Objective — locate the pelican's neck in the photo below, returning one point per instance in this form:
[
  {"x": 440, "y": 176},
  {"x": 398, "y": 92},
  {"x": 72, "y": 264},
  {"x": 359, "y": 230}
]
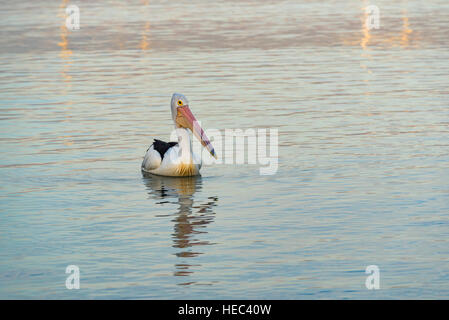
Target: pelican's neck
[{"x": 185, "y": 145}]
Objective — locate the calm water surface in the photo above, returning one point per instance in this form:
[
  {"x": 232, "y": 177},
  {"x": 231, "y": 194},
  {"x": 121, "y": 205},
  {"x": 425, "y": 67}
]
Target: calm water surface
[{"x": 363, "y": 150}]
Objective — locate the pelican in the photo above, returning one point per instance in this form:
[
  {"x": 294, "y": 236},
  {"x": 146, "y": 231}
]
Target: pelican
[{"x": 177, "y": 159}]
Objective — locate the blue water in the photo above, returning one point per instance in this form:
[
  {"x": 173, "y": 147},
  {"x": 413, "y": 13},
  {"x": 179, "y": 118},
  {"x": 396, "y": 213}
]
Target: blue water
[{"x": 363, "y": 173}]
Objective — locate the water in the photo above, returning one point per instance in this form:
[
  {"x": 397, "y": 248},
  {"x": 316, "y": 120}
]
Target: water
[{"x": 363, "y": 150}]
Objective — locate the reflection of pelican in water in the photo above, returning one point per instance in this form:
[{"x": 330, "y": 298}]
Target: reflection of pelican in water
[{"x": 190, "y": 219}]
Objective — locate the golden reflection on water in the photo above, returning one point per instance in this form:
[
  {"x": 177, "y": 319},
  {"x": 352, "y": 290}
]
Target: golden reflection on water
[
  {"x": 402, "y": 40},
  {"x": 189, "y": 219},
  {"x": 406, "y": 30},
  {"x": 65, "y": 53},
  {"x": 388, "y": 37},
  {"x": 365, "y": 30},
  {"x": 66, "y": 58},
  {"x": 366, "y": 37},
  {"x": 145, "y": 43}
]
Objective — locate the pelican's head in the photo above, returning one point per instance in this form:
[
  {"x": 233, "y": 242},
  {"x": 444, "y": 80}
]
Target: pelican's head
[{"x": 183, "y": 118}]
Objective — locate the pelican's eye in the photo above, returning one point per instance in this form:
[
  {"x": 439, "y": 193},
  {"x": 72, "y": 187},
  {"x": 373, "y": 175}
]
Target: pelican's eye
[{"x": 179, "y": 103}]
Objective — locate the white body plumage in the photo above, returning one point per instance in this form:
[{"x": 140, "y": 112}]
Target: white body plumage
[{"x": 177, "y": 161}]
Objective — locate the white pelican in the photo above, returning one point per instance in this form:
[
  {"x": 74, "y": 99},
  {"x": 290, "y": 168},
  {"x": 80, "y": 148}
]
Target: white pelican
[{"x": 176, "y": 158}]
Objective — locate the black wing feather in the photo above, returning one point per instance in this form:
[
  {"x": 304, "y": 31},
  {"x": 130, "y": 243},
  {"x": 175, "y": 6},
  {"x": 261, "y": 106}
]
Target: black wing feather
[{"x": 162, "y": 146}]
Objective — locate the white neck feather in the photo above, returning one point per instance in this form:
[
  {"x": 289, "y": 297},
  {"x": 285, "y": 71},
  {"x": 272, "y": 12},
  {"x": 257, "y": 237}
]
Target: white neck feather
[{"x": 185, "y": 145}]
